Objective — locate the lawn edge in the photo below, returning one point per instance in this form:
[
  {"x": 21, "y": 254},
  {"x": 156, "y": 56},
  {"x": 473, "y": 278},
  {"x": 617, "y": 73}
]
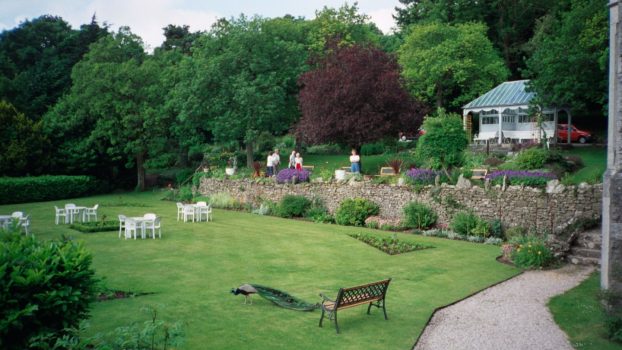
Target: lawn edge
[{"x": 427, "y": 323}]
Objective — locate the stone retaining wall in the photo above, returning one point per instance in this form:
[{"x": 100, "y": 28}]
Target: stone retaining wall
[{"x": 550, "y": 209}]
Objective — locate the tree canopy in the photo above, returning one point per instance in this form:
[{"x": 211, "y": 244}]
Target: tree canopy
[
  {"x": 355, "y": 95},
  {"x": 449, "y": 65}
]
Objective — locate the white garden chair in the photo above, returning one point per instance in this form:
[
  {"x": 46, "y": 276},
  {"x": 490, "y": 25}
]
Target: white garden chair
[
  {"x": 188, "y": 211},
  {"x": 180, "y": 210},
  {"x": 122, "y": 219},
  {"x": 131, "y": 226},
  {"x": 91, "y": 212},
  {"x": 153, "y": 224},
  {"x": 203, "y": 208},
  {"x": 17, "y": 215},
  {"x": 60, "y": 212},
  {"x": 24, "y": 222}
]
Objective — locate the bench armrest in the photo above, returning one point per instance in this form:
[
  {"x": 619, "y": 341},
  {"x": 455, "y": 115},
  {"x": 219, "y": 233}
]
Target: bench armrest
[{"x": 325, "y": 298}]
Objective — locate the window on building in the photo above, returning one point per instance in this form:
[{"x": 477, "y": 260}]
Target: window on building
[
  {"x": 509, "y": 119},
  {"x": 525, "y": 119},
  {"x": 489, "y": 120}
]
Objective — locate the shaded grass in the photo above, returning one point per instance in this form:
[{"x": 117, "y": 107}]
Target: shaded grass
[
  {"x": 192, "y": 268},
  {"x": 579, "y": 313},
  {"x": 595, "y": 161},
  {"x": 371, "y": 164}
]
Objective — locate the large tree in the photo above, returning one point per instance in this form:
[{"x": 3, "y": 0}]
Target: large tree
[
  {"x": 354, "y": 96},
  {"x": 113, "y": 110},
  {"x": 570, "y": 54},
  {"x": 36, "y": 59},
  {"x": 449, "y": 65},
  {"x": 510, "y": 23},
  {"x": 242, "y": 80}
]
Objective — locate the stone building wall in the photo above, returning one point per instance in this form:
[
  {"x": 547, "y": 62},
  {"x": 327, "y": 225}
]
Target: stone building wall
[{"x": 550, "y": 209}]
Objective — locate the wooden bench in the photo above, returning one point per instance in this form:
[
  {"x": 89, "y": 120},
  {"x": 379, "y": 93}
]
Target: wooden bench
[
  {"x": 308, "y": 168},
  {"x": 479, "y": 174},
  {"x": 387, "y": 171},
  {"x": 372, "y": 294}
]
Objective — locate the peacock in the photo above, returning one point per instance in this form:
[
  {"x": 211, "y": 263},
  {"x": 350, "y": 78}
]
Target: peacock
[
  {"x": 246, "y": 290},
  {"x": 281, "y": 298}
]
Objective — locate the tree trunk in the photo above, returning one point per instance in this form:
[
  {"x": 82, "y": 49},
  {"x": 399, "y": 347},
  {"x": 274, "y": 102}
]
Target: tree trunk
[
  {"x": 439, "y": 95},
  {"x": 140, "y": 170},
  {"x": 249, "y": 154}
]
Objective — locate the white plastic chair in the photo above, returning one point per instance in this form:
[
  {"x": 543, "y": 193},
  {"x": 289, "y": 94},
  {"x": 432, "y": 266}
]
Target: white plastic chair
[
  {"x": 130, "y": 227},
  {"x": 122, "y": 219},
  {"x": 17, "y": 215},
  {"x": 24, "y": 222},
  {"x": 180, "y": 210},
  {"x": 188, "y": 211},
  {"x": 91, "y": 212},
  {"x": 60, "y": 212},
  {"x": 202, "y": 208},
  {"x": 153, "y": 224},
  {"x": 71, "y": 212}
]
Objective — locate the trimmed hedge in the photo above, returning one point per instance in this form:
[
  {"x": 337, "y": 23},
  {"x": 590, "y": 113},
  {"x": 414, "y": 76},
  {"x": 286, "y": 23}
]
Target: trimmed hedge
[
  {"x": 95, "y": 226},
  {"x": 47, "y": 188}
]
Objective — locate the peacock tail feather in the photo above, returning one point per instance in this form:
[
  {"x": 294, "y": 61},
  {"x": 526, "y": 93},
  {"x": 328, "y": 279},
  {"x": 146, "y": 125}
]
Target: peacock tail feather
[{"x": 284, "y": 299}]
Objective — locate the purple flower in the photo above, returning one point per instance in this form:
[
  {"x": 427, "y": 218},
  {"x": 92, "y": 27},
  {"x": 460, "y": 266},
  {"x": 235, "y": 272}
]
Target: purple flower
[
  {"x": 421, "y": 175},
  {"x": 511, "y": 174},
  {"x": 286, "y": 175}
]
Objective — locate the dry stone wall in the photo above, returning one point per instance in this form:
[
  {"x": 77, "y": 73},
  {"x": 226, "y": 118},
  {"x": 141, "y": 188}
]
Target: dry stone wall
[{"x": 542, "y": 209}]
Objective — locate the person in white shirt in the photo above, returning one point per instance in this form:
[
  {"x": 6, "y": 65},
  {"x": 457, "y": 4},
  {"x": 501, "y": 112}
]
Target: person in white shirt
[
  {"x": 355, "y": 162},
  {"x": 276, "y": 161},
  {"x": 292, "y": 160},
  {"x": 270, "y": 165}
]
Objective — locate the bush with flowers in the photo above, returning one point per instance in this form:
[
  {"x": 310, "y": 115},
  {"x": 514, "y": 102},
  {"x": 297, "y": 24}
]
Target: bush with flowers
[
  {"x": 292, "y": 175},
  {"x": 531, "y": 252},
  {"x": 416, "y": 176}
]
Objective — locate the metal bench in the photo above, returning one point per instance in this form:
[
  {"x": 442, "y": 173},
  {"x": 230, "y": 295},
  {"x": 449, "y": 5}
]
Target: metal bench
[{"x": 372, "y": 294}]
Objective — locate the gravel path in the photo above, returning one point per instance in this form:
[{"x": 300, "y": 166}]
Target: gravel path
[{"x": 511, "y": 315}]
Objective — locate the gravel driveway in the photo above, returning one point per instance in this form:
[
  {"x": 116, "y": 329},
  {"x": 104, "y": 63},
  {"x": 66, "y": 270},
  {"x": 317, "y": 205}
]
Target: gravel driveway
[{"x": 511, "y": 315}]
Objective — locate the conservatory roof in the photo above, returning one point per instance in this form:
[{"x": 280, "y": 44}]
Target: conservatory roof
[{"x": 509, "y": 93}]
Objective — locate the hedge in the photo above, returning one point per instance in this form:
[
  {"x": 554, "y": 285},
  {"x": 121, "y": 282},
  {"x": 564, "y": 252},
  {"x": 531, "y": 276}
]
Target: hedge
[{"x": 47, "y": 188}]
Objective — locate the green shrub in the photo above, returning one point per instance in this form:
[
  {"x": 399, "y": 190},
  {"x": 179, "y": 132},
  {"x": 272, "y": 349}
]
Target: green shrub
[
  {"x": 469, "y": 224},
  {"x": 224, "y": 200},
  {"x": 419, "y": 216},
  {"x": 614, "y": 327},
  {"x": 514, "y": 231},
  {"x": 531, "y": 252},
  {"x": 531, "y": 159},
  {"x": 183, "y": 175},
  {"x": 95, "y": 226},
  {"x": 444, "y": 142},
  {"x": 370, "y": 149},
  {"x": 353, "y": 212},
  {"x": 293, "y": 206},
  {"x": 327, "y": 148},
  {"x": 45, "y": 288},
  {"x": 185, "y": 194},
  {"x": 47, "y": 188},
  {"x": 496, "y": 228},
  {"x": 390, "y": 245},
  {"x": 319, "y": 213}
]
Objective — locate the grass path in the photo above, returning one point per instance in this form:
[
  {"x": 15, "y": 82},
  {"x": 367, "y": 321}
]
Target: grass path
[{"x": 193, "y": 267}]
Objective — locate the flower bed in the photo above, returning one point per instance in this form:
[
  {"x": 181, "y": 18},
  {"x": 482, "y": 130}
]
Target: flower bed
[
  {"x": 287, "y": 175},
  {"x": 421, "y": 176},
  {"x": 521, "y": 177},
  {"x": 390, "y": 245},
  {"x": 95, "y": 226}
]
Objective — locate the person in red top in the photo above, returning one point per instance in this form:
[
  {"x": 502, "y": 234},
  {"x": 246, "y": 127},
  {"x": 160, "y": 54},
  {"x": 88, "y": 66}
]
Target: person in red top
[{"x": 298, "y": 160}]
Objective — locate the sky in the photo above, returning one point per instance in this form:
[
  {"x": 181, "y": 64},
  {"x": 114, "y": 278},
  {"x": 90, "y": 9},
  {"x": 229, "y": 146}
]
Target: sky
[{"x": 147, "y": 17}]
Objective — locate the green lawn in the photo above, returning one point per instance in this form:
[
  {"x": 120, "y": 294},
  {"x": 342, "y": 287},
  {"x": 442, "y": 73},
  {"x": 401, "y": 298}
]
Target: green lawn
[
  {"x": 579, "y": 313},
  {"x": 193, "y": 267},
  {"x": 595, "y": 161},
  {"x": 371, "y": 164}
]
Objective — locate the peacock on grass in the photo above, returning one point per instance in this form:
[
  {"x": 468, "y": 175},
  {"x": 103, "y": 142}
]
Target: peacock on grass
[{"x": 279, "y": 297}]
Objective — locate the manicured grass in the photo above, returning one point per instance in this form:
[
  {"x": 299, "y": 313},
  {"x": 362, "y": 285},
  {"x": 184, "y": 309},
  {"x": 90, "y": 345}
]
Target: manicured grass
[
  {"x": 579, "y": 313},
  {"x": 192, "y": 268},
  {"x": 595, "y": 160}
]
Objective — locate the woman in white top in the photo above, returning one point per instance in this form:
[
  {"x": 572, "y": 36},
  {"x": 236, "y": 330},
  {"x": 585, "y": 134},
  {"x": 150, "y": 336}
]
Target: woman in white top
[
  {"x": 292, "y": 160},
  {"x": 355, "y": 162},
  {"x": 270, "y": 165}
]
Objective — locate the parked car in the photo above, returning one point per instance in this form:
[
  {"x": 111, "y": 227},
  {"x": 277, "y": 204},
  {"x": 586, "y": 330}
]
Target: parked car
[{"x": 576, "y": 135}]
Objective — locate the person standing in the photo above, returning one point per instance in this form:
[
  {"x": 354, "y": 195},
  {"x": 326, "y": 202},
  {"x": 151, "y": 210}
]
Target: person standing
[
  {"x": 276, "y": 161},
  {"x": 269, "y": 165},
  {"x": 292, "y": 160},
  {"x": 355, "y": 162},
  {"x": 298, "y": 161}
]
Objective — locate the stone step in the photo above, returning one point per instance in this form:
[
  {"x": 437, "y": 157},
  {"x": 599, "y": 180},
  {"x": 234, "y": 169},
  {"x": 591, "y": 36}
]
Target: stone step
[
  {"x": 586, "y": 252},
  {"x": 581, "y": 260},
  {"x": 585, "y": 243}
]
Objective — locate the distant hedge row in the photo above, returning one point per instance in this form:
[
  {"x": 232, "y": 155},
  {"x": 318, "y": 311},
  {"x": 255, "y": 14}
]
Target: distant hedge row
[{"x": 46, "y": 188}]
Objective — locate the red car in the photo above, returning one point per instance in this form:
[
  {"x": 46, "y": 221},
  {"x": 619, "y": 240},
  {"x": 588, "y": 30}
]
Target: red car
[{"x": 576, "y": 135}]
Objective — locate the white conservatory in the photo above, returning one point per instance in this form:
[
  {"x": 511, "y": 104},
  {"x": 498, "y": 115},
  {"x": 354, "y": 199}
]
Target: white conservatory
[{"x": 504, "y": 116}]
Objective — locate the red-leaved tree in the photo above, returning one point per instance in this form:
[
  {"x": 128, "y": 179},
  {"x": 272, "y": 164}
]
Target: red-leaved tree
[{"x": 355, "y": 95}]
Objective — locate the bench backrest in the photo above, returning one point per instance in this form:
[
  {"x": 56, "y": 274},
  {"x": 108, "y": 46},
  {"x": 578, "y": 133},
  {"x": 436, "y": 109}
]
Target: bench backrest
[
  {"x": 361, "y": 294},
  {"x": 387, "y": 171}
]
